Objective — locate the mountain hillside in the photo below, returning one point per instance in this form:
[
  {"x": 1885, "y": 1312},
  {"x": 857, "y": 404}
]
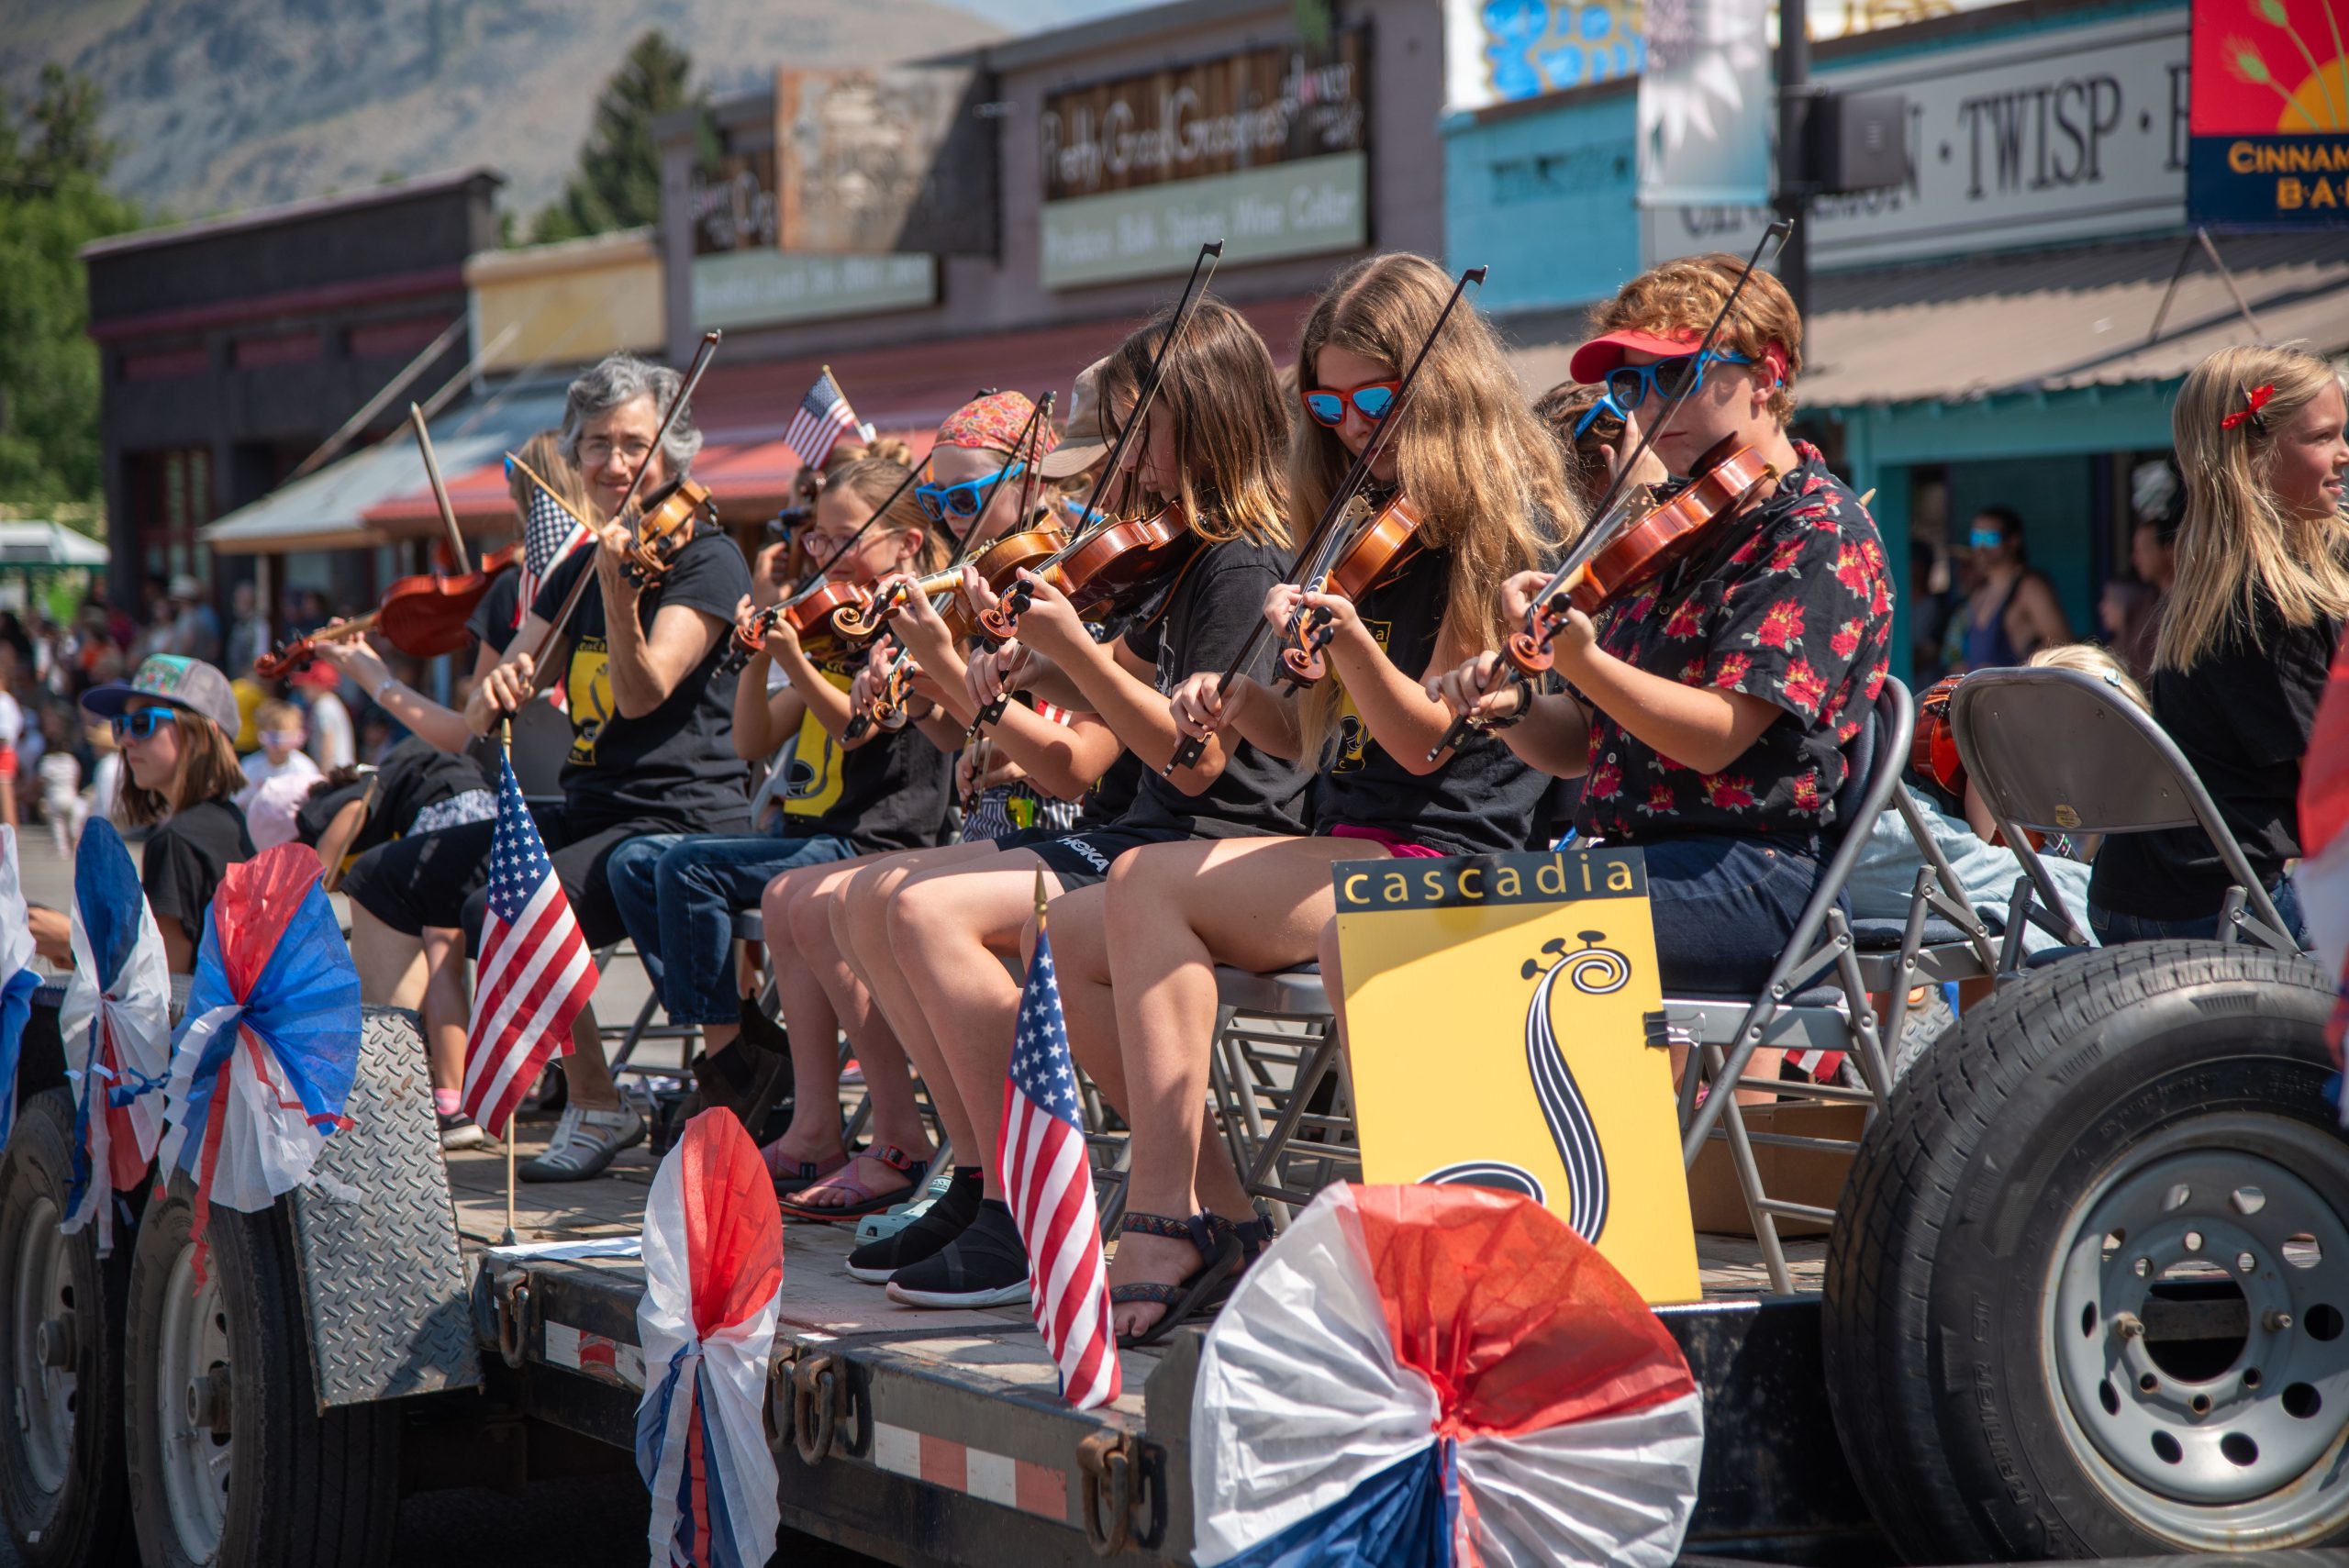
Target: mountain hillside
[{"x": 221, "y": 105}]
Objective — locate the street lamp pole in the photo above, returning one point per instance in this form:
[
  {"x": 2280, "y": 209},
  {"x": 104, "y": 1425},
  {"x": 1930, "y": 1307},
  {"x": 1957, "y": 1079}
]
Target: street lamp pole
[{"x": 1795, "y": 174}]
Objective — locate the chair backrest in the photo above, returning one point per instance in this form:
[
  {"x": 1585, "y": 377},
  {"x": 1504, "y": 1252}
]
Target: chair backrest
[
  {"x": 1877, "y": 756},
  {"x": 2059, "y": 750},
  {"x": 541, "y": 739},
  {"x": 1859, "y": 759}
]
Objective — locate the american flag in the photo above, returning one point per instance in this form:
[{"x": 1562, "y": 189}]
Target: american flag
[
  {"x": 1048, "y": 1183},
  {"x": 553, "y": 532},
  {"x": 824, "y": 416},
  {"x": 1821, "y": 1064},
  {"x": 536, "y": 970}
]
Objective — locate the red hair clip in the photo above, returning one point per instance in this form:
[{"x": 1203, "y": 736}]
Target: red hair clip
[{"x": 2254, "y": 400}]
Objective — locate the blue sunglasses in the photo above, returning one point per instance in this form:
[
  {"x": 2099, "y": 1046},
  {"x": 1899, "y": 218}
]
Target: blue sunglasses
[
  {"x": 141, "y": 723},
  {"x": 965, "y": 501},
  {"x": 1627, "y": 386},
  {"x": 1606, "y": 404}
]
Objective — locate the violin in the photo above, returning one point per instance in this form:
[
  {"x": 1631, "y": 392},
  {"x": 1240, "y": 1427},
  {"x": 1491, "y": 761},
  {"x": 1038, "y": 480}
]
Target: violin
[
  {"x": 998, "y": 565},
  {"x": 1630, "y": 552},
  {"x": 818, "y": 616},
  {"x": 1354, "y": 563},
  {"x": 423, "y": 617},
  {"x": 1932, "y": 750},
  {"x": 665, "y": 527}
]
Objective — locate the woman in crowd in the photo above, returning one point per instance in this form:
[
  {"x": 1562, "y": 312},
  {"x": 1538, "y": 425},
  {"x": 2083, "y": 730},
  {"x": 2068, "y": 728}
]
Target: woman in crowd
[
  {"x": 2260, "y": 592},
  {"x": 1210, "y": 444},
  {"x": 1140, "y": 987},
  {"x": 2014, "y": 611},
  {"x": 175, "y": 719}
]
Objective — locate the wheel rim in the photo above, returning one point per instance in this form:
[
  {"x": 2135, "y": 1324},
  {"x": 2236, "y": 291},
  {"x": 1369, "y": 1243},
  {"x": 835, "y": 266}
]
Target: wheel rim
[
  {"x": 193, "y": 1355},
  {"x": 2195, "y": 1332},
  {"x": 42, "y": 1307}
]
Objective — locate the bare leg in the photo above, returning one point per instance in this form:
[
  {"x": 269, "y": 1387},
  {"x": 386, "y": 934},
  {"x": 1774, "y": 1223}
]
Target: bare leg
[
  {"x": 815, "y": 1029},
  {"x": 390, "y": 963},
  {"x": 860, "y": 930},
  {"x": 1175, "y": 910},
  {"x": 888, "y": 1078},
  {"x": 589, "y": 1076},
  {"x": 447, "y": 1010},
  {"x": 948, "y": 929}
]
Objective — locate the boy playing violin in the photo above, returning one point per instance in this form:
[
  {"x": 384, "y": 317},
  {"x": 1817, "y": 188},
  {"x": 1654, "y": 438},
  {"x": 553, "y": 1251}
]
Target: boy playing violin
[{"x": 1707, "y": 708}]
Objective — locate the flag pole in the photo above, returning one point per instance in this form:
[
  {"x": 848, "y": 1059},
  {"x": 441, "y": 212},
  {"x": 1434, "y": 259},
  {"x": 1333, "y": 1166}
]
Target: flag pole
[{"x": 506, "y": 746}]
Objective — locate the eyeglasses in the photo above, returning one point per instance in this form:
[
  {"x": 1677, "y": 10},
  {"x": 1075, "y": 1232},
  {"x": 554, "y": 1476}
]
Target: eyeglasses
[
  {"x": 1627, "y": 386},
  {"x": 1986, "y": 538},
  {"x": 141, "y": 723},
  {"x": 596, "y": 450},
  {"x": 1373, "y": 400},
  {"x": 965, "y": 501}
]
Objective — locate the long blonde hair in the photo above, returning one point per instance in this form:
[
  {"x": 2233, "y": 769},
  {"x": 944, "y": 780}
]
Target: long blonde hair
[
  {"x": 1230, "y": 421},
  {"x": 1470, "y": 452},
  {"x": 543, "y": 455},
  {"x": 2235, "y": 544},
  {"x": 870, "y": 479}
]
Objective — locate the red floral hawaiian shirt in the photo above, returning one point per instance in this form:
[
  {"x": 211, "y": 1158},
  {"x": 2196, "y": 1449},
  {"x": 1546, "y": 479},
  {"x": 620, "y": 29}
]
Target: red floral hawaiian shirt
[{"x": 1793, "y": 606}]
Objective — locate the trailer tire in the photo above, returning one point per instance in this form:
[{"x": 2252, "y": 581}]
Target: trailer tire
[
  {"x": 61, "y": 1481},
  {"x": 2071, "y": 1305},
  {"x": 288, "y": 1485}
]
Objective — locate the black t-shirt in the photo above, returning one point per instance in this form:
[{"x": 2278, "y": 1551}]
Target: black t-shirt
[
  {"x": 676, "y": 764},
  {"x": 1483, "y": 801},
  {"x": 2242, "y": 716},
  {"x": 1219, "y": 599},
  {"x": 888, "y": 794},
  {"x": 182, "y": 866},
  {"x": 499, "y": 614},
  {"x": 417, "y": 788}
]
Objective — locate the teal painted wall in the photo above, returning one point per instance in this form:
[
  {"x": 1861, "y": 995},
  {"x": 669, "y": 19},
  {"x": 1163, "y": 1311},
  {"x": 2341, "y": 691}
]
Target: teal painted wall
[
  {"x": 1545, "y": 201},
  {"x": 2059, "y": 521}
]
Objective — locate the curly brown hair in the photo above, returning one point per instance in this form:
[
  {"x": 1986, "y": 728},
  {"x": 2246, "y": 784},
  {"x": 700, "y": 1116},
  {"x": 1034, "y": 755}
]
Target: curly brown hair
[
  {"x": 1683, "y": 295},
  {"x": 1562, "y": 409}
]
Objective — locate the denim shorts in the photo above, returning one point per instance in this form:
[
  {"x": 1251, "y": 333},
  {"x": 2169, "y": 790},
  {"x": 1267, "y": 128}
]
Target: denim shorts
[
  {"x": 1725, "y": 907},
  {"x": 2111, "y": 926}
]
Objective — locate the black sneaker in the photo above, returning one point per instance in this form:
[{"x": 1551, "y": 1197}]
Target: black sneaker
[
  {"x": 459, "y": 1130},
  {"x": 985, "y": 1266},
  {"x": 947, "y": 1217}
]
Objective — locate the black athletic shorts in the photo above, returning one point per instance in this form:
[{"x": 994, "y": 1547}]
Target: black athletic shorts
[
  {"x": 442, "y": 879},
  {"x": 1080, "y": 859}
]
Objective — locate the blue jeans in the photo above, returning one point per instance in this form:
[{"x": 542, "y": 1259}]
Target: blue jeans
[
  {"x": 2111, "y": 926},
  {"x": 677, "y": 895},
  {"x": 1725, "y": 908}
]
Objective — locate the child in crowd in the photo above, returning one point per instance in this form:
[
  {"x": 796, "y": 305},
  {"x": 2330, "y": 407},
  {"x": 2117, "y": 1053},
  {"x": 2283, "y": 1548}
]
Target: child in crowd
[{"x": 279, "y": 727}]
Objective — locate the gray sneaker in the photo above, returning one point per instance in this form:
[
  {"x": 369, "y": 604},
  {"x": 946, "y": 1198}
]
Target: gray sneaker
[{"x": 584, "y": 1143}]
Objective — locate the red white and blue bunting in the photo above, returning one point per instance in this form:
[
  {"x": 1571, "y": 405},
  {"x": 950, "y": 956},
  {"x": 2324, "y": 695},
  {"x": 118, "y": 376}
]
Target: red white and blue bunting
[{"x": 115, "y": 1025}]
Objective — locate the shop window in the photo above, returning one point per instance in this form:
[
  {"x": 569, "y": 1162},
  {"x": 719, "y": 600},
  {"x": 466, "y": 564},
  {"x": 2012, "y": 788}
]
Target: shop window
[{"x": 171, "y": 497}]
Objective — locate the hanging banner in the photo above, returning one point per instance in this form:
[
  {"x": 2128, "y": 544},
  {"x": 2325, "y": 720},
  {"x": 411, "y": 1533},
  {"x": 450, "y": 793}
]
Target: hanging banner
[
  {"x": 1497, "y": 51},
  {"x": 1496, "y": 1014},
  {"x": 1706, "y": 109},
  {"x": 2269, "y": 115}
]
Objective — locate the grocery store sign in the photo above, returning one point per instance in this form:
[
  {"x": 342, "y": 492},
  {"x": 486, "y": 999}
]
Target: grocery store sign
[
  {"x": 2052, "y": 137},
  {"x": 765, "y": 288},
  {"x": 1263, "y": 215}
]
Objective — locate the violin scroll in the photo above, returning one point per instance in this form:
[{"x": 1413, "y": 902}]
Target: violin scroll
[{"x": 665, "y": 528}]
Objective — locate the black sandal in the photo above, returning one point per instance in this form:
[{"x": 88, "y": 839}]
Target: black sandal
[{"x": 1219, "y": 1254}]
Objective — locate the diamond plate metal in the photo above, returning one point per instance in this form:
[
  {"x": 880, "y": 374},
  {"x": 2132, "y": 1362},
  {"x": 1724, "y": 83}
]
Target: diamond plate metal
[{"x": 384, "y": 1277}]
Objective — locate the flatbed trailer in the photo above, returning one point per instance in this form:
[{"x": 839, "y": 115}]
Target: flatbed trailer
[{"x": 940, "y": 1436}]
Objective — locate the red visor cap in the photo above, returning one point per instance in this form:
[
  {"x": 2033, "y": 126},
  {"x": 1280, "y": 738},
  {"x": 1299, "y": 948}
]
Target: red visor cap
[{"x": 1596, "y": 358}]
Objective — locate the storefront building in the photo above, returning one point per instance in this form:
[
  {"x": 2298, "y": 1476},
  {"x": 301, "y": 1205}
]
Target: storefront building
[
  {"x": 1000, "y": 217},
  {"x": 2001, "y": 328}
]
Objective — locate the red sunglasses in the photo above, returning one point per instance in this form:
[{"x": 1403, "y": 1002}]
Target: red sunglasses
[{"x": 1374, "y": 400}]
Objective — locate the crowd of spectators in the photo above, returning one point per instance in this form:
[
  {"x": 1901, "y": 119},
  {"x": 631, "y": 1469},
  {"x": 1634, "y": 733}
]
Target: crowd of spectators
[{"x": 59, "y": 766}]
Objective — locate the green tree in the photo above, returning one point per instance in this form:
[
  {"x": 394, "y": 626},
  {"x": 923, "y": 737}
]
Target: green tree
[
  {"x": 619, "y": 181},
  {"x": 53, "y": 162}
]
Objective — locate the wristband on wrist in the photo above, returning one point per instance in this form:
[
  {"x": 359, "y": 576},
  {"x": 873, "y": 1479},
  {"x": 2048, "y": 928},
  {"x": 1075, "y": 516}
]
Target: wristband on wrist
[{"x": 385, "y": 685}]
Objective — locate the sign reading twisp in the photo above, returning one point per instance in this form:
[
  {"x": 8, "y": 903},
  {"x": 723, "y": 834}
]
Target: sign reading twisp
[{"x": 1496, "y": 1009}]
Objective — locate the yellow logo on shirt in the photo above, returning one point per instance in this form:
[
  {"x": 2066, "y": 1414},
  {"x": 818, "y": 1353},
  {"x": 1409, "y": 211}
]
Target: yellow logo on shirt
[
  {"x": 588, "y": 691},
  {"x": 812, "y": 779},
  {"x": 1353, "y": 739}
]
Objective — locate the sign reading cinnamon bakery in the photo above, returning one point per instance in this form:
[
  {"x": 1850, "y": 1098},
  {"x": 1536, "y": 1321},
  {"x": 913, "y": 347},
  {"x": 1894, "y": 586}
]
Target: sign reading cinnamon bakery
[{"x": 1267, "y": 149}]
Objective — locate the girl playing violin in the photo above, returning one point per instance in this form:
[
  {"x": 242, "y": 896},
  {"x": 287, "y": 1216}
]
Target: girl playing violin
[
  {"x": 1707, "y": 708},
  {"x": 1138, "y": 987},
  {"x": 678, "y": 896},
  {"x": 1209, "y": 443}
]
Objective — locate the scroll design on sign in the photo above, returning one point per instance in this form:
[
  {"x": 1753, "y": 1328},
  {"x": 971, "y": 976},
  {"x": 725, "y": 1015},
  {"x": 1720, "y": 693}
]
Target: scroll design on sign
[{"x": 1595, "y": 971}]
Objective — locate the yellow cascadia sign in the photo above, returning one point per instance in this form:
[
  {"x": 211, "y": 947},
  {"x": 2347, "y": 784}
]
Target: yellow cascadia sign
[{"x": 1495, "y": 1006}]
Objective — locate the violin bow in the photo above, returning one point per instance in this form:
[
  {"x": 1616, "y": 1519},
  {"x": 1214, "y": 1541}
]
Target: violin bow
[
  {"x": 439, "y": 491},
  {"x": 1188, "y": 751},
  {"x": 579, "y": 583},
  {"x": 551, "y": 493},
  {"x": 1202, "y": 272},
  {"x": 1611, "y": 513}
]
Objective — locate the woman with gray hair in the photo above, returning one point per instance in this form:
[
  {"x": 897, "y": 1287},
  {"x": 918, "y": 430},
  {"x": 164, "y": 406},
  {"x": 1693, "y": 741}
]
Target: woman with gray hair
[
  {"x": 609, "y": 418},
  {"x": 652, "y": 728}
]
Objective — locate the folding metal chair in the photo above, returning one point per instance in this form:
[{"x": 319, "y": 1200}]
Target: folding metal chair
[
  {"x": 1279, "y": 1086},
  {"x": 1815, "y": 1000}
]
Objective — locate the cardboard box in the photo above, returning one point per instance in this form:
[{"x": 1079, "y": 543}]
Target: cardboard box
[{"x": 1792, "y": 1175}]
